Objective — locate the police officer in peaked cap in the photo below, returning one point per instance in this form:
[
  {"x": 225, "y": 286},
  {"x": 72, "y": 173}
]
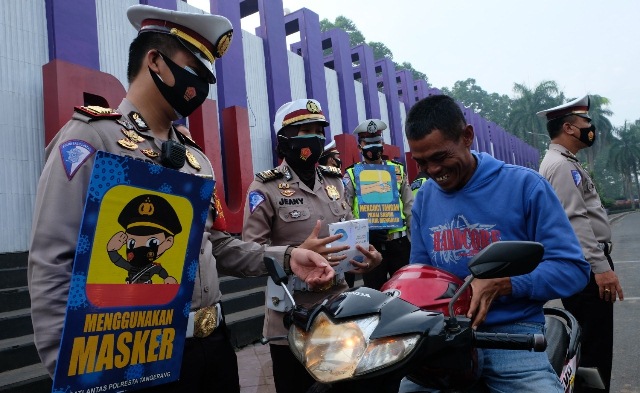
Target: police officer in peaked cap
[
  {"x": 170, "y": 70},
  {"x": 283, "y": 205},
  {"x": 394, "y": 244},
  {"x": 571, "y": 130}
]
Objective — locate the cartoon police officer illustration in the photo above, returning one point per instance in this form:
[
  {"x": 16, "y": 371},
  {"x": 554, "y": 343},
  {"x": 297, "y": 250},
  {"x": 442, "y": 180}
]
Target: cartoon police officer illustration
[{"x": 150, "y": 224}]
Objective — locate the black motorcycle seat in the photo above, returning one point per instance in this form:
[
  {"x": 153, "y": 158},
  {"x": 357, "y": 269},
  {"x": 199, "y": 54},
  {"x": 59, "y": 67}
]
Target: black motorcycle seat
[{"x": 557, "y": 335}]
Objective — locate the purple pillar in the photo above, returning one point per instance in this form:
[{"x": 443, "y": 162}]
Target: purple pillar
[
  {"x": 340, "y": 61},
  {"x": 273, "y": 35},
  {"x": 232, "y": 85},
  {"x": 388, "y": 79},
  {"x": 421, "y": 88},
  {"x": 307, "y": 23},
  {"x": 72, "y": 32},
  {"x": 406, "y": 88},
  {"x": 366, "y": 73}
]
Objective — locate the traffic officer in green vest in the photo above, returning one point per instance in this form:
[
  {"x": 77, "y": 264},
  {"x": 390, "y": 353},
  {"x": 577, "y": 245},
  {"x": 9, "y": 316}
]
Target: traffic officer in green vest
[
  {"x": 421, "y": 178},
  {"x": 393, "y": 243}
]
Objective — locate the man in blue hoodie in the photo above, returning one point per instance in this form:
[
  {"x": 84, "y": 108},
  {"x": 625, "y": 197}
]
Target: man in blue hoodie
[{"x": 471, "y": 201}]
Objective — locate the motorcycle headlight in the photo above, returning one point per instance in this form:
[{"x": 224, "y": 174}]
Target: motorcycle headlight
[{"x": 337, "y": 351}]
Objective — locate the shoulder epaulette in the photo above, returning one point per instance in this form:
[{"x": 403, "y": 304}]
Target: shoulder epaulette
[
  {"x": 330, "y": 171},
  {"x": 94, "y": 112},
  {"x": 396, "y": 162},
  {"x": 571, "y": 157},
  {"x": 269, "y": 175},
  {"x": 351, "y": 166}
]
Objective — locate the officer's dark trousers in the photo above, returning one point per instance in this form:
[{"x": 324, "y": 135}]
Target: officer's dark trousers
[
  {"x": 209, "y": 364},
  {"x": 395, "y": 254},
  {"x": 596, "y": 320},
  {"x": 289, "y": 374}
]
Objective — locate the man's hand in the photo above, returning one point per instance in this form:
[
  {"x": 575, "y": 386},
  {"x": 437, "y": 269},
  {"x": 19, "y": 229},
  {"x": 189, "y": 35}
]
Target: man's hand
[
  {"x": 320, "y": 245},
  {"x": 609, "y": 286},
  {"x": 371, "y": 261},
  {"x": 483, "y": 293},
  {"x": 311, "y": 267}
]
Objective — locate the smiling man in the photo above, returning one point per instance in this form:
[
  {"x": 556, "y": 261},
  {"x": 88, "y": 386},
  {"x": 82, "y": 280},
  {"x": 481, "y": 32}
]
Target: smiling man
[{"x": 471, "y": 201}]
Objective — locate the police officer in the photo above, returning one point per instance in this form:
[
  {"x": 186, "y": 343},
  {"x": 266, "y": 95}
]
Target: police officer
[
  {"x": 330, "y": 156},
  {"x": 394, "y": 244},
  {"x": 170, "y": 70},
  {"x": 570, "y": 130},
  {"x": 288, "y": 201},
  {"x": 421, "y": 178}
]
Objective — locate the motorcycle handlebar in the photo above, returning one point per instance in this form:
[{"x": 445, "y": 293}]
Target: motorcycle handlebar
[{"x": 535, "y": 342}]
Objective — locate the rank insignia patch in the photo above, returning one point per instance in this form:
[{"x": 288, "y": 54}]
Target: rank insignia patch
[{"x": 74, "y": 153}]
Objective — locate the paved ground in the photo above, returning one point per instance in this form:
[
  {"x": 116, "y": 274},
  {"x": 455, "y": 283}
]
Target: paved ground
[{"x": 254, "y": 364}]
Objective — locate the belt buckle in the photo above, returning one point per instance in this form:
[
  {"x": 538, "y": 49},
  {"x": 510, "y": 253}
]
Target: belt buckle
[{"x": 205, "y": 321}]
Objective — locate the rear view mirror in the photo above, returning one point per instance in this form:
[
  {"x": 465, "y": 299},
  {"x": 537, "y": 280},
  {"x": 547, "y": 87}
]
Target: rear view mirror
[
  {"x": 276, "y": 272},
  {"x": 506, "y": 259}
]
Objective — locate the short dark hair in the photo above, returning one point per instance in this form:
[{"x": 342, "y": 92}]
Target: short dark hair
[
  {"x": 143, "y": 43},
  {"x": 554, "y": 127},
  {"x": 439, "y": 112}
]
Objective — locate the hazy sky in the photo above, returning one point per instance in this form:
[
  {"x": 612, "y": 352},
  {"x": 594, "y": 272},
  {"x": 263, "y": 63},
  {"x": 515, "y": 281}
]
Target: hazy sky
[{"x": 586, "y": 46}]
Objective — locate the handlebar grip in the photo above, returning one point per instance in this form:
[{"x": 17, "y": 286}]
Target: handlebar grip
[{"x": 535, "y": 342}]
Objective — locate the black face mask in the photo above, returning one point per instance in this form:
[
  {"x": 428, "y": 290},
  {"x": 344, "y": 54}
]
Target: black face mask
[
  {"x": 302, "y": 152},
  {"x": 372, "y": 152},
  {"x": 338, "y": 162},
  {"x": 142, "y": 256},
  {"x": 187, "y": 93},
  {"x": 587, "y": 134}
]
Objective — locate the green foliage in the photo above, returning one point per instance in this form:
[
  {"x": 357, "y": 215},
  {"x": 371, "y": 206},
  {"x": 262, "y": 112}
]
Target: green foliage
[
  {"x": 624, "y": 157},
  {"x": 407, "y": 66},
  {"x": 494, "y": 107}
]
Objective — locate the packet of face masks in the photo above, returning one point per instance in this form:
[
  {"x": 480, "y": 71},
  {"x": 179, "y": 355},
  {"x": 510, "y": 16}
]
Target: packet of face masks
[{"x": 353, "y": 232}]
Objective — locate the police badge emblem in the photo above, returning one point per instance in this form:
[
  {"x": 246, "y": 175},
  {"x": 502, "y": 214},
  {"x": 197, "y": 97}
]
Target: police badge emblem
[
  {"x": 132, "y": 135},
  {"x": 332, "y": 192},
  {"x": 127, "y": 144}
]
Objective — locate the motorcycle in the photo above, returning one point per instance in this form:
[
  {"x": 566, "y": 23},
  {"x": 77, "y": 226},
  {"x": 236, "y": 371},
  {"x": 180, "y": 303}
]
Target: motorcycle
[{"x": 416, "y": 326}]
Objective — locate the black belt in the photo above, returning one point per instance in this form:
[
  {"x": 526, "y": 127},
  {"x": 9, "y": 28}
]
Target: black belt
[{"x": 607, "y": 247}]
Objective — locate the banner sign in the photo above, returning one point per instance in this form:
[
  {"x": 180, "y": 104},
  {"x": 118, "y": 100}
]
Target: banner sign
[
  {"x": 378, "y": 196},
  {"x": 133, "y": 276}
]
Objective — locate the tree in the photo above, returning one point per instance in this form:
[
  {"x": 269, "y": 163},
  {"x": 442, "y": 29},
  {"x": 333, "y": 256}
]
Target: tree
[
  {"x": 407, "y": 66},
  {"x": 598, "y": 113},
  {"x": 624, "y": 157},
  {"x": 380, "y": 50},
  {"x": 355, "y": 36},
  {"x": 494, "y": 107},
  {"x": 523, "y": 120}
]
